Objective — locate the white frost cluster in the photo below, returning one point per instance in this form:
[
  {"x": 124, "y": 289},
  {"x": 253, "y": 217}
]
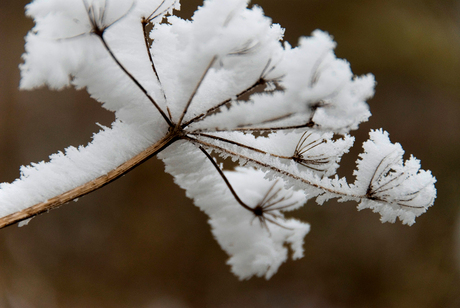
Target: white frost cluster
[
  {"x": 315, "y": 83},
  {"x": 44, "y": 180},
  {"x": 60, "y": 51},
  {"x": 255, "y": 247},
  {"x": 223, "y": 83},
  {"x": 394, "y": 189}
]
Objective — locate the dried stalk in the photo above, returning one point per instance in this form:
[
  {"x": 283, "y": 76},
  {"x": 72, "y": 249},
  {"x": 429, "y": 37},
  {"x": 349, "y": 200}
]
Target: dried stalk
[{"x": 90, "y": 186}]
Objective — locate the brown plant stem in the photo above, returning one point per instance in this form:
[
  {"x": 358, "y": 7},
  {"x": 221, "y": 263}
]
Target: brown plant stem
[
  {"x": 138, "y": 84},
  {"x": 211, "y": 63},
  {"x": 90, "y": 186},
  {"x": 262, "y": 164}
]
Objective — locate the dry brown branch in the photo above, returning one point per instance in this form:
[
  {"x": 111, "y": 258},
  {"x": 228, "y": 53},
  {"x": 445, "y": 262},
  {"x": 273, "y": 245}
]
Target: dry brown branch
[{"x": 90, "y": 186}]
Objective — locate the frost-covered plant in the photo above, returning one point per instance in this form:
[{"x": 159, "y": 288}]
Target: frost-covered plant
[{"x": 221, "y": 83}]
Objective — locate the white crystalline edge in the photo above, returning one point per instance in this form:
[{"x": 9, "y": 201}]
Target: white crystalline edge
[
  {"x": 415, "y": 188},
  {"x": 315, "y": 185},
  {"x": 252, "y": 249},
  {"x": 285, "y": 167},
  {"x": 183, "y": 50},
  {"x": 61, "y": 52},
  {"x": 285, "y": 142},
  {"x": 343, "y": 111},
  {"x": 39, "y": 182}
]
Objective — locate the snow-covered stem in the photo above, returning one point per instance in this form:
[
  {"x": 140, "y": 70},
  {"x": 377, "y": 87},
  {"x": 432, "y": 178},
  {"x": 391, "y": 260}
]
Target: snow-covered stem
[
  {"x": 210, "y": 111},
  {"x": 267, "y": 166},
  {"x": 192, "y": 96},
  {"x": 224, "y": 178},
  {"x": 100, "y": 33},
  {"x": 189, "y": 89},
  {"x": 90, "y": 186}
]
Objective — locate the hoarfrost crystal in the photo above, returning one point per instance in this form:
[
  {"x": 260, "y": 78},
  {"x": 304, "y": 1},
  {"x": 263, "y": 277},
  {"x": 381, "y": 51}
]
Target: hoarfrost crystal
[{"x": 223, "y": 83}]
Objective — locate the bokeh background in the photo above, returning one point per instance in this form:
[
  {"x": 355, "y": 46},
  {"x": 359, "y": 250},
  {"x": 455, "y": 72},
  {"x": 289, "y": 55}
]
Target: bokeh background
[{"x": 139, "y": 242}]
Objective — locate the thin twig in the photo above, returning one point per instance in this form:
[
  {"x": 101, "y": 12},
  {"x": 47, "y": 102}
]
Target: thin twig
[
  {"x": 239, "y": 144},
  {"x": 211, "y": 63},
  {"x": 278, "y": 118},
  {"x": 212, "y": 110},
  {"x": 152, "y": 16},
  {"x": 260, "y": 81},
  {"x": 146, "y": 41},
  {"x": 370, "y": 189},
  {"x": 260, "y": 210},
  {"x": 268, "y": 166},
  {"x": 150, "y": 98},
  {"x": 99, "y": 30},
  {"x": 264, "y": 129},
  {"x": 230, "y": 187}
]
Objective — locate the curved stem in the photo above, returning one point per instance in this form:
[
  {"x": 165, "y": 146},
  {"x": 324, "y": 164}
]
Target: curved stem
[
  {"x": 230, "y": 187},
  {"x": 150, "y": 98},
  {"x": 91, "y": 185}
]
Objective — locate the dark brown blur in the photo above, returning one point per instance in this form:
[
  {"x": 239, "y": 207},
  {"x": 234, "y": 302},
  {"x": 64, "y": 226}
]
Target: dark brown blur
[{"x": 139, "y": 242}]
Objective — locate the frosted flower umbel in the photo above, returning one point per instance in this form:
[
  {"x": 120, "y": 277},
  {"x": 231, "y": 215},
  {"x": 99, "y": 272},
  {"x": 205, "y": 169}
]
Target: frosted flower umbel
[{"x": 223, "y": 84}]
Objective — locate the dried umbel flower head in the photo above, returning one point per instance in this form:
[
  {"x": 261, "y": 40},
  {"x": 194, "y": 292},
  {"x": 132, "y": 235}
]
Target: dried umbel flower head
[{"x": 222, "y": 83}]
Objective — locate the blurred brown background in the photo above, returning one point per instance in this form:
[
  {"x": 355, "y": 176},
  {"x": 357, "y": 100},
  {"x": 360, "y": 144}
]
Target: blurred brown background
[{"x": 139, "y": 242}]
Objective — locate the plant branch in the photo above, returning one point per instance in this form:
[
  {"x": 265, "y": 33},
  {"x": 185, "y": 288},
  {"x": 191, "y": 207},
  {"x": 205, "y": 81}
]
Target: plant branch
[
  {"x": 230, "y": 187},
  {"x": 220, "y": 105},
  {"x": 240, "y": 145},
  {"x": 90, "y": 186},
  {"x": 150, "y": 98},
  {"x": 152, "y": 16},
  {"x": 268, "y": 166},
  {"x": 283, "y": 117},
  {"x": 146, "y": 41},
  {"x": 260, "y": 211},
  {"x": 309, "y": 124},
  {"x": 260, "y": 81},
  {"x": 297, "y": 157},
  {"x": 211, "y": 63}
]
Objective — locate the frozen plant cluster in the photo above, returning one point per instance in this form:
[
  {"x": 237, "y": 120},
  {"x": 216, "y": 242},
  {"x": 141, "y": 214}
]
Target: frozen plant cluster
[{"x": 225, "y": 84}]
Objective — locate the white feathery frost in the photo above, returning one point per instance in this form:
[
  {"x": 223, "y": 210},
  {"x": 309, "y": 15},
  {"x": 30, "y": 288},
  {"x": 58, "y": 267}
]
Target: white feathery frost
[
  {"x": 393, "y": 188},
  {"x": 225, "y": 84}
]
